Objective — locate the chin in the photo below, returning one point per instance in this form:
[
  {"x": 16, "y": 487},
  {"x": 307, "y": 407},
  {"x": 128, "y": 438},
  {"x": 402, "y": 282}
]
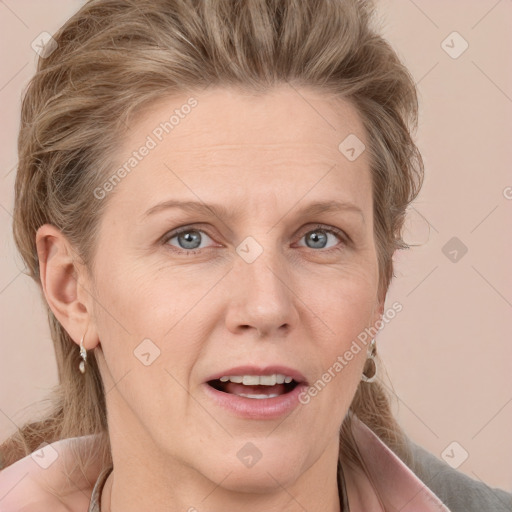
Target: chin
[
  {"x": 254, "y": 470},
  {"x": 264, "y": 480}
]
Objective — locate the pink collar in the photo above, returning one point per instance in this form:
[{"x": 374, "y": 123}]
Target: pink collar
[{"x": 389, "y": 485}]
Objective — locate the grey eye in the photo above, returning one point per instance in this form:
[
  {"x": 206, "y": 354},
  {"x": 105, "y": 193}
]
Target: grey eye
[
  {"x": 188, "y": 239},
  {"x": 318, "y": 239}
]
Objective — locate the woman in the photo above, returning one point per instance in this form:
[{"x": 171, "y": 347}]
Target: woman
[{"x": 209, "y": 194}]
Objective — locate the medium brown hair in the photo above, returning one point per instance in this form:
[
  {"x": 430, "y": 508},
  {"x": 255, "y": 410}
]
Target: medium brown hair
[{"x": 116, "y": 56}]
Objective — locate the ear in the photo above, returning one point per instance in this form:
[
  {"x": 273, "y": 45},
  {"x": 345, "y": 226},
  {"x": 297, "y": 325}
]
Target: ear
[{"x": 65, "y": 285}]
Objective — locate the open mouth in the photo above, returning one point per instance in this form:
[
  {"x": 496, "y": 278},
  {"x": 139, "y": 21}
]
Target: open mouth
[{"x": 255, "y": 386}]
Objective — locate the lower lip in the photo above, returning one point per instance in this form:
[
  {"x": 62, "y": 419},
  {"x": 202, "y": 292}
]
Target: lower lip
[{"x": 256, "y": 408}]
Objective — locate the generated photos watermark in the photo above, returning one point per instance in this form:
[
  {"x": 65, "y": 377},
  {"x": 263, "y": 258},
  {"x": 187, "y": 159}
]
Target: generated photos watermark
[
  {"x": 152, "y": 140},
  {"x": 343, "y": 360}
]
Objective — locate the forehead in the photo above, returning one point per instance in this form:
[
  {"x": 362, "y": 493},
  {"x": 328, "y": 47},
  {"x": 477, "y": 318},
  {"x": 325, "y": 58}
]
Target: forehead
[
  {"x": 283, "y": 140},
  {"x": 282, "y": 114}
]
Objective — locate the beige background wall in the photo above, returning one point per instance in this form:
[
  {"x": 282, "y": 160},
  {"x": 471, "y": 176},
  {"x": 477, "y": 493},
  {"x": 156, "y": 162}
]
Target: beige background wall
[{"x": 449, "y": 352}]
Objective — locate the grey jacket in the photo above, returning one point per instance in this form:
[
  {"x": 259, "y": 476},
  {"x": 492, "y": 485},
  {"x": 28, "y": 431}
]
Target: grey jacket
[{"x": 457, "y": 491}]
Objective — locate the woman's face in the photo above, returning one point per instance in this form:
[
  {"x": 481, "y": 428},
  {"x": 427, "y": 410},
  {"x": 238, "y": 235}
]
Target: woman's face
[{"x": 258, "y": 283}]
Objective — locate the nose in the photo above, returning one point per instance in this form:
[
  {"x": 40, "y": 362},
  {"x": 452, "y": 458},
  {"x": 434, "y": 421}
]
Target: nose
[{"x": 262, "y": 297}]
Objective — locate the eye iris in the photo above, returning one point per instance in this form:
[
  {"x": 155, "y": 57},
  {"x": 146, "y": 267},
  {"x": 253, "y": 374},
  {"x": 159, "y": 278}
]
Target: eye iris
[
  {"x": 192, "y": 239},
  {"x": 189, "y": 238},
  {"x": 317, "y": 237}
]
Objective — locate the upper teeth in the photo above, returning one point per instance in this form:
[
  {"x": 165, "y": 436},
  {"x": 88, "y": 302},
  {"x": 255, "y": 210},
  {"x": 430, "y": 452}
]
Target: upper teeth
[{"x": 255, "y": 380}]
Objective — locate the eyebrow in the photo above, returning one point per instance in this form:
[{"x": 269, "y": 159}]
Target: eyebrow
[{"x": 221, "y": 211}]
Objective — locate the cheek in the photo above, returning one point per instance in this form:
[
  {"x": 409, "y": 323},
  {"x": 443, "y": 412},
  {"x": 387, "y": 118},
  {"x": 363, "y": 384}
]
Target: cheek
[
  {"x": 346, "y": 307},
  {"x": 139, "y": 301},
  {"x": 132, "y": 295},
  {"x": 345, "y": 299}
]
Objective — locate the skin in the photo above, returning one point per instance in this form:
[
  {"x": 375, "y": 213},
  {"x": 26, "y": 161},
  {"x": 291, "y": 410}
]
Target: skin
[
  {"x": 299, "y": 303},
  {"x": 60, "y": 486}
]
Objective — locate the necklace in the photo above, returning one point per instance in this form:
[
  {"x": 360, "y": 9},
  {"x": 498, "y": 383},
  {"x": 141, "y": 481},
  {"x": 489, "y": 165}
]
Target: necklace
[
  {"x": 342, "y": 489},
  {"x": 95, "y": 504}
]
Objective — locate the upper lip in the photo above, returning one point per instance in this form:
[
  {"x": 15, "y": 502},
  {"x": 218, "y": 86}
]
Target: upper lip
[{"x": 260, "y": 370}]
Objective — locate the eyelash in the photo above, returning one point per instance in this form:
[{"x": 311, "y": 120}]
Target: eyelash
[{"x": 319, "y": 227}]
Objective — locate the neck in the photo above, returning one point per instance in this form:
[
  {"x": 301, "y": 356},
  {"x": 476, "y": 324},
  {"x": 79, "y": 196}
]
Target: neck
[
  {"x": 144, "y": 479},
  {"x": 115, "y": 497}
]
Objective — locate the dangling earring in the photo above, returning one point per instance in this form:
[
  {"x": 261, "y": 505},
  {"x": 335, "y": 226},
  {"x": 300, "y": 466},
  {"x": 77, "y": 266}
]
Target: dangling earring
[
  {"x": 83, "y": 355},
  {"x": 370, "y": 374}
]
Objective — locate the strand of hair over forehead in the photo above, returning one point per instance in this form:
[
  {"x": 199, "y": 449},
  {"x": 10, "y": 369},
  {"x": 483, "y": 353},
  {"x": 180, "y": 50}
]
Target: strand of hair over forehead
[
  {"x": 251, "y": 43},
  {"x": 242, "y": 40}
]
